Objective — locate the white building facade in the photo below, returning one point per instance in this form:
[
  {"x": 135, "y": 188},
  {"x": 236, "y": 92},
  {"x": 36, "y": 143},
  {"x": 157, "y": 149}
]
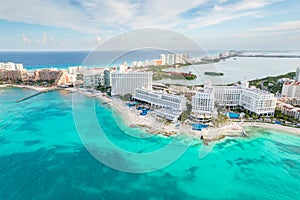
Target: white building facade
[
  {"x": 160, "y": 99},
  {"x": 170, "y": 106},
  {"x": 203, "y": 101},
  {"x": 291, "y": 89},
  {"x": 297, "y": 78},
  {"x": 289, "y": 110},
  {"x": 126, "y": 83},
  {"x": 257, "y": 101},
  {"x": 254, "y": 100},
  {"x": 11, "y": 66},
  {"x": 93, "y": 77},
  {"x": 227, "y": 95}
]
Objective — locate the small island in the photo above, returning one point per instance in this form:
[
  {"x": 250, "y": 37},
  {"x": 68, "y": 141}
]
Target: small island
[{"x": 214, "y": 73}]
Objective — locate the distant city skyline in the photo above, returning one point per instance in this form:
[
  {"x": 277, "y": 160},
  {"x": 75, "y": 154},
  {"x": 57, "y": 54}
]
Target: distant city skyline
[{"x": 214, "y": 24}]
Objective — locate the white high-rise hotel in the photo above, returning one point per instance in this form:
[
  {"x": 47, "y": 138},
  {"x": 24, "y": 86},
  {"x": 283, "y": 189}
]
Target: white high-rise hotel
[
  {"x": 127, "y": 82},
  {"x": 297, "y": 78},
  {"x": 256, "y": 101},
  {"x": 171, "y": 59},
  {"x": 11, "y": 66},
  {"x": 203, "y": 101}
]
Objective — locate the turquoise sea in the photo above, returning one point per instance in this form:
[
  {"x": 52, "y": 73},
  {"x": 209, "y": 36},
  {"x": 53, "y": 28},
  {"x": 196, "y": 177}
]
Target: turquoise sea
[{"x": 42, "y": 157}]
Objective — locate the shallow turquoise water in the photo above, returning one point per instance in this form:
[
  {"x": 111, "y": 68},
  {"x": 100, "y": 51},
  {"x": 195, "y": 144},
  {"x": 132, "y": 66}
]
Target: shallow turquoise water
[{"x": 42, "y": 157}]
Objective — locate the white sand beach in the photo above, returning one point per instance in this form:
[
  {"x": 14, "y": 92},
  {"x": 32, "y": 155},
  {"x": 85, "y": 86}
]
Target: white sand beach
[
  {"x": 295, "y": 131},
  {"x": 36, "y": 88},
  {"x": 131, "y": 117}
]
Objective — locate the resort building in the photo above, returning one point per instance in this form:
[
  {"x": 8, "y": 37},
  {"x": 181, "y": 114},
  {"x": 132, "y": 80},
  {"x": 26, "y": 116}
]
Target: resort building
[
  {"x": 11, "y": 66},
  {"x": 160, "y": 99},
  {"x": 163, "y": 59},
  {"x": 157, "y": 62},
  {"x": 107, "y": 78},
  {"x": 76, "y": 70},
  {"x": 288, "y": 109},
  {"x": 171, "y": 106},
  {"x": 297, "y": 78},
  {"x": 203, "y": 101},
  {"x": 228, "y": 96},
  {"x": 126, "y": 83},
  {"x": 13, "y": 75},
  {"x": 258, "y": 101},
  {"x": 292, "y": 101},
  {"x": 93, "y": 77},
  {"x": 167, "y": 113},
  {"x": 291, "y": 89}
]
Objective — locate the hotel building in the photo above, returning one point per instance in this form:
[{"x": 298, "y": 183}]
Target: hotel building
[
  {"x": 203, "y": 101},
  {"x": 160, "y": 99},
  {"x": 256, "y": 101},
  {"x": 171, "y": 106},
  {"x": 93, "y": 77},
  {"x": 288, "y": 109},
  {"x": 11, "y": 66},
  {"x": 76, "y": 70},
  {"x": 163, "y": 59},
  {"x": 228, "y": 96},
  {"x": 297, "y": 78},
  {"x": 291, "y": 89},
  {"x": 126, "y": 83}
]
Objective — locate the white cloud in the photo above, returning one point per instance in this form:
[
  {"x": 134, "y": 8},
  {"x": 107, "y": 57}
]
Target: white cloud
[
  {"x": 25, "y": 39},
  {"x": 47, "y": 39},
  {"x": 281, "y": 27},
  {"x": 44, "y": 39},
  {"x": 220, "y": 13},
  {"x": 102, "y": 17}
]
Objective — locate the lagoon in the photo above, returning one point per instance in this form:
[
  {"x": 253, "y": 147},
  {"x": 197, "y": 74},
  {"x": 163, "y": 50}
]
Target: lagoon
[{"x": 237, "y": 69}]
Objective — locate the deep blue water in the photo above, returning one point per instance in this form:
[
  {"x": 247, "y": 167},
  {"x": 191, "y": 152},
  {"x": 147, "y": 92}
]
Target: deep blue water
[
  {"x": 62, "y": 60},
  {"x": 34, "y": 60},
  {"x": 42, "y": 156}
]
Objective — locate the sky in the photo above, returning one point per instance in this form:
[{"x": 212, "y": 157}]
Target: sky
[{"x": 214, "y": 24}]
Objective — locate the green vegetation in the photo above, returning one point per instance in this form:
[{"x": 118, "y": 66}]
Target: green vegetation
[
  {"x": 214, "y": 73},
  {"x": 280, "y": 116},
  {"x": 159, "y": 74},
  {"x": 173, "y": 75},
  {"x": 126, "y": 97},
  {"x": 101, "y": 88},
  {"x": 220, "y": 120},
  {"x": 187, "y": 76},
  {"x": 271, "y": 83},
  {"x": 185, "y": 114}
]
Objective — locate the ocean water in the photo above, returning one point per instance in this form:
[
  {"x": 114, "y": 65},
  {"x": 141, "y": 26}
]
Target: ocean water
[
  {"x": 36, "y": 60},
  {"x": 65, "y": 59},
  {"x": 43, "y": 157},
  {"x": 249, "y": 68}
]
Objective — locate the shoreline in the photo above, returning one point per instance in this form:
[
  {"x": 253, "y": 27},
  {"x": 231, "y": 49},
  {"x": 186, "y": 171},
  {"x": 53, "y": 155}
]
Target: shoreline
[
  {"x": 153, "y": 125},
  {"x": 276, "y": 127},
  {"x": 36, "y": 88}
]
